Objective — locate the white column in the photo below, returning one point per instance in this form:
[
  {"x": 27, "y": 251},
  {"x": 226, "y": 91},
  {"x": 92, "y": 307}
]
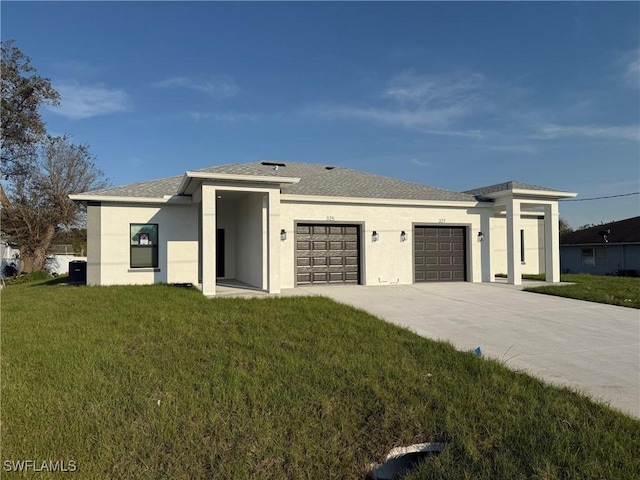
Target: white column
[
  {"x": 488, "y": 275},
  {"x": 273, "y": 241},
  {"x": 514, "y": 273},
  {"x": 208, "y": 240},
  {"x": 551, "y": 243}
]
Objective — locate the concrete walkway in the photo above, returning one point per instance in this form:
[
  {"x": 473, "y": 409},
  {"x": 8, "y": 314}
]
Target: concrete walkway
[{"x": 591, "y": 347}]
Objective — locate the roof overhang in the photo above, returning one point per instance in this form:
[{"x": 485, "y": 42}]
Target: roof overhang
[
  {"x": 191, "y": 180},
  {"x": 166, "y": 200},
  {"x": 380, "y": 201},
  {"x": 529, "y": 194}
]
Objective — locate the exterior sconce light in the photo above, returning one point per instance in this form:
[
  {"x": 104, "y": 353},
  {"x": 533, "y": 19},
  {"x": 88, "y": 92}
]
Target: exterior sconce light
[
  {"x": 283, "y": 234},
  {"x": 480, "y": 237},
  {"x": 403, "y": 236},
  {"x": 374, "y": 236}
]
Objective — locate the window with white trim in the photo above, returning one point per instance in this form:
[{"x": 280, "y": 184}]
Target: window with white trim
[
  {"x": 588, "y": 257},
  {"x": 143, "y": 245}
]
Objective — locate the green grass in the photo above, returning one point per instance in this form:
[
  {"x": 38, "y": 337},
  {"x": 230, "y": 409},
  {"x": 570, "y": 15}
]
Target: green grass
[
  {"x": 623, "y": 291},
  {"x": 159, "y": 382}
]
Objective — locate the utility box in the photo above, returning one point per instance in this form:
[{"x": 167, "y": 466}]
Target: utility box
[{"x": 78, "y": 272}]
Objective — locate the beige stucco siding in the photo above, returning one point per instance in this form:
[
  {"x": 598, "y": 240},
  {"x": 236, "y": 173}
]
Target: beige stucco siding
[
  {"x": 534, "y": 253},
  {"x": 178, "y": 241},
  {"x": 387, "y": 261}
]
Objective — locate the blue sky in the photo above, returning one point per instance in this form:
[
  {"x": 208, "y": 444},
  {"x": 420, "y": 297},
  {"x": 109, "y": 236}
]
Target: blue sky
[{"x": 453, "y": 95}]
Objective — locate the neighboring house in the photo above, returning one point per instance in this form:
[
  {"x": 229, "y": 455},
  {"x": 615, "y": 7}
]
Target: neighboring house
[
  {"x": 10, "y": 255},
  {"x": 58, "y": 259},
  {"x": 274, "y": 225},
  {"x": 609, "y": 249}
]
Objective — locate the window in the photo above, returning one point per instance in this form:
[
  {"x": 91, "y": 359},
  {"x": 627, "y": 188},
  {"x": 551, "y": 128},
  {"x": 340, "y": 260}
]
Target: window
[
  {"x": 522, "y": 246},
  {"x": 588, "y": 258},
  {"x": 144, "y": 245}
]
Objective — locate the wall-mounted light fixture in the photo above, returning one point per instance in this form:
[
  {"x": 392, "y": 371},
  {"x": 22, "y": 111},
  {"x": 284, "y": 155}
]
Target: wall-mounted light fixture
[
  {"x": 283, "y": 234},
  {"x": 403, "y": 236},
  {"x": 374, "y": 236},
  {"x": 480, "y": 237}
]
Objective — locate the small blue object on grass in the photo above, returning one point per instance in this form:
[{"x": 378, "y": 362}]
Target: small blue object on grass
[{"x": 478, "y": 351}]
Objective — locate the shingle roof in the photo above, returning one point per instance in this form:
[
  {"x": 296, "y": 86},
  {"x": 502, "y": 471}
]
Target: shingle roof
[
  {"x": 315, "y": 179},
  {"x": 150, "y": 189},
  {"x": 623, "y": 231},
  {"x": 501, "y": 187}
]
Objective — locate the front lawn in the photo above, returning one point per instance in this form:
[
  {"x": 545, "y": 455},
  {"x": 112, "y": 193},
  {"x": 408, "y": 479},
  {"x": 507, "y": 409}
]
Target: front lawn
[
  {"x": 159, "y": 382},
  {"x": 623, "y": 291}
]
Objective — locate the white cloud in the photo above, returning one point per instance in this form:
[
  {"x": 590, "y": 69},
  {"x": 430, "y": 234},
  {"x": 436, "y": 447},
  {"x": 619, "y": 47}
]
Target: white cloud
[
  {"x": 515, "y": 149},
  {"x": 632, "y": 74},
  {"x": 216, "y": 86},
  {"x": 551, "y": 131},
  {"x": 436, "y": 90},
  {"x": 86, "y": 101},
  {"x": 402, "y": 117},
  {"x": 432, "y": 104},
  {"x": 232, "y": 117},
  {"x": 420, "y": 163}
]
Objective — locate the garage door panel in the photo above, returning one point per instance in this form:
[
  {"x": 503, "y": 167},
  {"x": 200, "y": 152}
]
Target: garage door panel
[
  {"x": 303, "y": 246},
  {"x": 332, "y": 252},
  {"x": 351, "y": 261},
  {"x": 319, "y": 261},
  {"x": 444, "y": 247},
  {"x": 439, "y": 254}
]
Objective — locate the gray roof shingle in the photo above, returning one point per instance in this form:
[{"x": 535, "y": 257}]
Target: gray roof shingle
[
  {"x": 151, "y": 189},
  {"x": 315, "y": 179},
  {"x": 500, "y": 187}
]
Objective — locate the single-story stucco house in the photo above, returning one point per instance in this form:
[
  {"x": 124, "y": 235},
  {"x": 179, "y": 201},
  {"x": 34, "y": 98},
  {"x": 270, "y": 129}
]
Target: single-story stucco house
[
  {"x": 274, "y": 225},
  {"x": 608, "y": 249}
]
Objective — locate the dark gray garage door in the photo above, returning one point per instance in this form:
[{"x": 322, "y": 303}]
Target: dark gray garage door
[
  {"x": 327, "y": 254},
  {"x": 439, "y": 254}
]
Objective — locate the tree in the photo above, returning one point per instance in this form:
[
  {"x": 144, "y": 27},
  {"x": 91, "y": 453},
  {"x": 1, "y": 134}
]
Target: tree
[
  {"x": 23, "y": 93},
  {"x": 36, "y": 206},
  {"x": 564, "y": 227}
]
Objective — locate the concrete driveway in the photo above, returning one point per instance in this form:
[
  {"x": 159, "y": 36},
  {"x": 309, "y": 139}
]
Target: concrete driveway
[{"x": 593, "y": 348}]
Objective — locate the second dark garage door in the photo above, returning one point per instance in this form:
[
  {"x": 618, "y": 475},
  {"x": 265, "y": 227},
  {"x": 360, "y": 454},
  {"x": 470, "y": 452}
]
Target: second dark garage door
[
  {"x": 327, "y": 254},
  {"x": 439, "y": 254}
]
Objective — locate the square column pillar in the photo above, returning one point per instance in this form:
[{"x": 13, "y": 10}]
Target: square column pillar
[
  {"x": 551, "y": 243},
  {"x": 488, "y": 275},
  {"x": 208, "y": 240},
  {"x": 514, "y": 270},
  {"x": 273, "y": 241}
]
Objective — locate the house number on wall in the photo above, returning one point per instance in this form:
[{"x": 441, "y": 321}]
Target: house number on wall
[
  {"x": 442, "y": 220},
  {"x": 330, "y": 218}
]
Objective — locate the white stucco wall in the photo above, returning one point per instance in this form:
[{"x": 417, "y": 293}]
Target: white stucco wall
[
  {"x": 534, "y": 254},
  {"x": 108, "y": 252},
  {"x": 252, "y": 237},
  {"x": 387, "y": 261}
]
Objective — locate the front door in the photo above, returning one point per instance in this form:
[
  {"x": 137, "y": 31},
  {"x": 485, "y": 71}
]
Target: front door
[{"x": 220, "y": 252}]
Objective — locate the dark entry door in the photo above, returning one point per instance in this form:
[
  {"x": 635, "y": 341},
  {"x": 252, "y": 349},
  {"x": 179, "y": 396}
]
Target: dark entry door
[
  {"x": 220, "y": 252},
  {"x": 439, "y": 254}
]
